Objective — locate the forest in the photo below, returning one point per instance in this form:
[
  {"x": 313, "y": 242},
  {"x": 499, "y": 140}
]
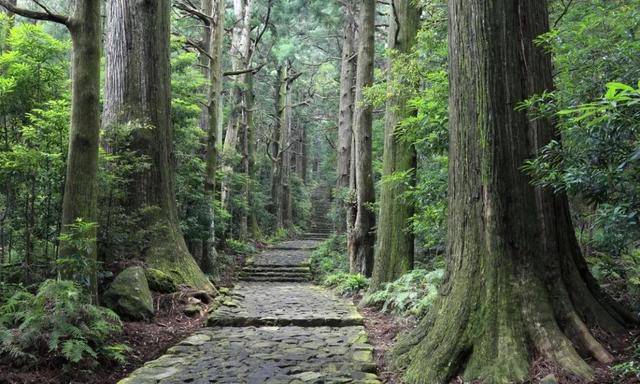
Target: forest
[{"x": 320, "y": 191}]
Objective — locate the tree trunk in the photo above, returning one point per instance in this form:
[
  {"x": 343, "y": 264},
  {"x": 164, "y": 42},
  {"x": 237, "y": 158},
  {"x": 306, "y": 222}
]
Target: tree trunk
[
  {"x": 240, "y": 58},
  {"x": 361, "y": 238},
  {"x": 517, "y": 286},
  {"x": 394, "y": 250},
  {"x": 345, "y": 116},
  {"x": 253, "y": 228},
  {"x": 80, "y": 188},
  {"x": 138, "y": 91},
  {"x": 214, "y": 117}
]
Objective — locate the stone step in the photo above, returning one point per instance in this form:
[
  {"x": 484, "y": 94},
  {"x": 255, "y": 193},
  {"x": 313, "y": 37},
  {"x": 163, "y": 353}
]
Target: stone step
[
  {"x": 275, "y": 279},
  {"x": 279, "y": 266},
  {"x": 275, "y": 268},
  {"x": 303, "y": 275}
]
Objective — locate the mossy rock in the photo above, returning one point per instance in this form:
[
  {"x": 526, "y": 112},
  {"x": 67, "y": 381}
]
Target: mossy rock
[
  {"x": 129, "y": 295},
  {"x": 160, "y": 281}
]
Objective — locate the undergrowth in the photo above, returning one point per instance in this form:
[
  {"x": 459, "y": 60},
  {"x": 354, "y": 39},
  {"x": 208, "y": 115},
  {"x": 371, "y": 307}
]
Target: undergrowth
[
  {"x": 412, "y": 294},
  {"x": 58, "y": 322},
  {"x": 347, "y": 283}
]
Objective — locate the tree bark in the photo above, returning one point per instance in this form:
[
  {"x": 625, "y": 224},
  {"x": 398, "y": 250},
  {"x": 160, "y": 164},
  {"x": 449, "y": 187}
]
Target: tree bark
[
  {"x": 394, "y": 250},
  {"x": 361, "y": 237},
  {"x": 240, "y": 58},
  {"x": 346, "y": 112},
  {"x": 517, "y": 286},
  {"x": 138, "y": 91},
  {"x": 80, "y": 192},
  {"x": 80, "y": 188},
  {"x": 214, "y": 118}
]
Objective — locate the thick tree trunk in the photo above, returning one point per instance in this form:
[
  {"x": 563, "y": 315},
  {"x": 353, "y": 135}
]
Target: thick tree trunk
[
  {"x": 138, "y": 91},
  {"x": 80, "y": 189},
  {"x": 394, "y": 250},
  {"x": 517, "y": 286},
  {"x": 361, "y": 237}
]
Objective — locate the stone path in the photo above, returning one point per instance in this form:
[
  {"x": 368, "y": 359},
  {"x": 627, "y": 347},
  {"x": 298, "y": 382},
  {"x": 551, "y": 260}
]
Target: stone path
[{"x": 275, "y": 327}]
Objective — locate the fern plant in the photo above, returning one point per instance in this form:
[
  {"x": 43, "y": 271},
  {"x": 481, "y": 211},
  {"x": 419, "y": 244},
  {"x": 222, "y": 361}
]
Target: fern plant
[
  {"x": 413, "y": 293},
  {"x": 58, "y": 321}
]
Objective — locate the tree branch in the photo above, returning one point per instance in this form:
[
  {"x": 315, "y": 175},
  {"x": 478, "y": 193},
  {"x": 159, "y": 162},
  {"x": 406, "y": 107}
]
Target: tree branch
[
  {"x": 47, "y": 15},
  {"x": 243, "y": 71}
]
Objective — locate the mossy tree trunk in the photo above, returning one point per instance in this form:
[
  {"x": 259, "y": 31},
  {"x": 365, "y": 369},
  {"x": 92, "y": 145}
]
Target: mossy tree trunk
[
  {"x": 80, "y": 193},
  {"x": 394, "y": 250},
  {"x": 138, "y": 91},
  {"x": 347, "y": 99},
  {"x": 517, "y": 286},
  {"x": 360, "y": 239}
]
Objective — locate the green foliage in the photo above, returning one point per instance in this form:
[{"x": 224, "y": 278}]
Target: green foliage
[
  {"x": 240, "y": 247},
  {"x": 330, "y": 257},
  {"x": 58, "y": 322},
  {"x": 78, "y": 264},
  {"x": 412, "y": 294},
  {"x": 629, "y": 368},
  {"x": 598, "y": 162},
  {"x": 346, "y": 283}
]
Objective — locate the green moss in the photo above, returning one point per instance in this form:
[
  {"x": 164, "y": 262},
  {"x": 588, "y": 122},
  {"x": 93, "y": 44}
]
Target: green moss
[
  {"x": 160, "y": 281},
  {"x": 129, "y": 295}
]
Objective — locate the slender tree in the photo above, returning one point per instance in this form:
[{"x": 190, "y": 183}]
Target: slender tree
[
  {"x": 517, "y": 285},
  {"x": 80, "y": 195},
  {"x": 138, "y": 92},
  {"x": 394, "y": 250},
  {"x": 361, "y": 237},
  {"x": 347, "y": 96}
]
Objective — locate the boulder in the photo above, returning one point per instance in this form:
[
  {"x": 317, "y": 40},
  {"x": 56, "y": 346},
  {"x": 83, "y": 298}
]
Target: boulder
[
  {"x": 549, "y": 379},
  {"x": 129, "y": 295},
  {"x": 160, "y": 281}
]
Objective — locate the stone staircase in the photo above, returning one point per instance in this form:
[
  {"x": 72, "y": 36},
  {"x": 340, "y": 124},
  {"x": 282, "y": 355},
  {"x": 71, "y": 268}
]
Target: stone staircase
[{"x": 288, "y": 261}]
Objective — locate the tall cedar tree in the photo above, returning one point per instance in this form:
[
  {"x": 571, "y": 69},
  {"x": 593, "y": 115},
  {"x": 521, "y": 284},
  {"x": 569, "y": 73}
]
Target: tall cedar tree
[
  {"x": 394, "y": 250},
  {"x": 347, "y": 99},
  {"x": 517, "y": 285},
  {"x": 138, "y": 90},
  {"x": 360, "y": 239},
  {"x": 80, "y": 192}
]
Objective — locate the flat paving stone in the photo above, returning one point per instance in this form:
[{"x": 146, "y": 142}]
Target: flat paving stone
[
  {"x": 256, "y": 355},
  {"x": 281, "y": 304}
]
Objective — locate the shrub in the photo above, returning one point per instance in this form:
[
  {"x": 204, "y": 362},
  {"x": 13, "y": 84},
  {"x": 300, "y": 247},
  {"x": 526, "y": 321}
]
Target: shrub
[
  {"x": 239, "y": 247},
  {"x": 330, "y": 257},
  {"x": 58, "y": 322},
  {"x": 413, "y": 293},
  {"x": 346, "y": 283}
]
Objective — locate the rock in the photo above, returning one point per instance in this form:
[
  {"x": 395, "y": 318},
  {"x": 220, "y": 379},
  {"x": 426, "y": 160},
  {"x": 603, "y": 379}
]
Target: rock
[
  {"x": 129, "y": 295},
  {"x": 549, "y": 379},
  {"x": 192, "y": 310},
  {"x": 203, "y": 296},
  {"x": 160, "y": 281}
]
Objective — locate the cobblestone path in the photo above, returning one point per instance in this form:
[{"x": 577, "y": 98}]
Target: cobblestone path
[{"x": 275, "y": 327}]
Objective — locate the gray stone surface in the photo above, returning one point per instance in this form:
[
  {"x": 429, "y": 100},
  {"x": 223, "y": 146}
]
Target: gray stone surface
[
  {"x": 285, "y": 304},
  {"x": 272, "y": 332},
  {"x": 282, "y": 257},
  {"x": 298, "y": 244},
  {"x": 265, "y": 355}
]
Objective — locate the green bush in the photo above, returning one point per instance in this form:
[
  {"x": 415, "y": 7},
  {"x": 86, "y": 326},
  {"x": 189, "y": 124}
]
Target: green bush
[
  {"x": 240, "y": 247},
  {"x": 58, "y": 322},
  {"x": 413, "y": 293},
  {"x": 330, "y": 257},
  {"x": 346, "y": 283}
]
